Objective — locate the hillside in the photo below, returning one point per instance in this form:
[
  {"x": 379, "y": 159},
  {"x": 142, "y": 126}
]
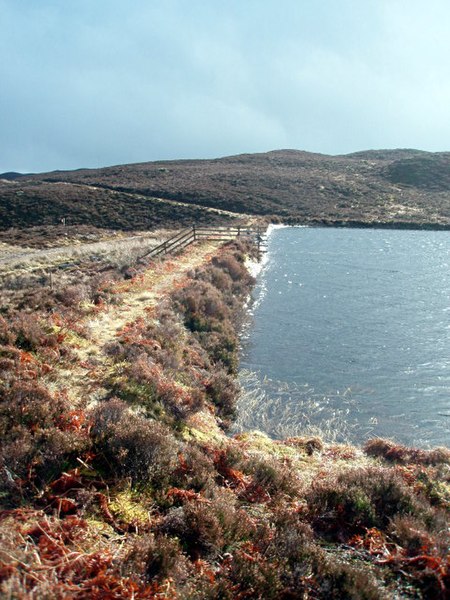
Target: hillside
[
  {"x": 390, "y": 187},
  {"x": 35, "y": 203}
]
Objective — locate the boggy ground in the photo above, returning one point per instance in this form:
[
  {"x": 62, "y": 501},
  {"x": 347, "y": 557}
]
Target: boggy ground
[{"x": 118, "y": 478}]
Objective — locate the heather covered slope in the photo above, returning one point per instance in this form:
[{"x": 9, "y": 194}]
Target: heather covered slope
[
  {"x": 402, "y": 187},
  {"x": 26, "y": 204},
  {"x": 118, "y": 479}
]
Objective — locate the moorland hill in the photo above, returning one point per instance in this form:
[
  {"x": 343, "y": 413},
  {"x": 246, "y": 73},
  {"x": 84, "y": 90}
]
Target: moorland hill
[{"x": 376, "y": 187}]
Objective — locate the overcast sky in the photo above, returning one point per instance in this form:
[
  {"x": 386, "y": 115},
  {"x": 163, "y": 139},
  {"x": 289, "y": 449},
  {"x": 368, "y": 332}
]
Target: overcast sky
[{"x": 87, "y": 83}]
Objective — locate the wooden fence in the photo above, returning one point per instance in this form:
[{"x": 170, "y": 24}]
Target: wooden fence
[{"x": 192, "y": 234}]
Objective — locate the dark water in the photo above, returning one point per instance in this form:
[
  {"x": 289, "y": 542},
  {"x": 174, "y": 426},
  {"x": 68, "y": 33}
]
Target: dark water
[{"x": 350, "y": 335}]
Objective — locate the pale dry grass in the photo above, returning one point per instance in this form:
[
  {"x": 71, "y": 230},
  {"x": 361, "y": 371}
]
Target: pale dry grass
[
  {"x": 132, "y": 299},
  {"x": 24, "y": 269},
  {"x": 118, "y": 251}
]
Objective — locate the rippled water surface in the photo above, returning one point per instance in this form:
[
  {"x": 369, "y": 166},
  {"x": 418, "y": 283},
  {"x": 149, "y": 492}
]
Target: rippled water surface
[{"x": 349, "y": 334}]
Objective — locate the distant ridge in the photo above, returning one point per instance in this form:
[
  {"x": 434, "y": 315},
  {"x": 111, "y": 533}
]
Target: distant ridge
[
  {"x": 390, "y": 188},
  {"x": 11, "y": 175}
]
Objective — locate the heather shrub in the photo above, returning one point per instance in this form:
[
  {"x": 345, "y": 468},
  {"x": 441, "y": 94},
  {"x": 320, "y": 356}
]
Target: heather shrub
[
  {"x": 115, "y": 350},
  {"x": 205, "y": 535},
  {"x": 72, "y": 295},
  {"x": 149, "y": 385},
  {"x": 106, "y": 414},
  {"x": 358, "y": 498},
  {"x": 291, "y": 539},
  {"x": 168, "y": 328},
  {"x": 289, "y": 543},
  {"x": 202, "y": 306},
  {"x": 309, "y": 444},
  {"x": 195, "y": 469},
  {"x": 143, "y": 370},
  {"x": 221, "y": 346},
  {"x": 37, "y": 440},
  {"x": 29, "y": 404},
  {"x": 232, "y": 265},
  {"x": 133, "y": 446},
  {"x": 271, "y": 475},
  {"x": 29, "y": 335},
  {"x": 415, "y": 535},
  {"x": 393, "y": 452},
  {"x": 218, "y": 278},
  {"x": 246, "y": 573},
  {"x": 8, "y": 367},
  {"x": 235, "y": 522},
  {"x": 208, "y": 525},
  {"x": 427, "y": 552},
  {"x": 223, "y": 391},
  {"x": 156, "y": 556},
  {"x": 57, "y": 451},
  {"x": 128, "y": 272},
  {"x": 410, "y": 533},
  {"x": 339, "y": 580},
  {"x": 15, "y": 459},
  {"x": 30, "y": 459},
  {"x": 210, "y": 308},
  {"x": 7, "y": 337}
]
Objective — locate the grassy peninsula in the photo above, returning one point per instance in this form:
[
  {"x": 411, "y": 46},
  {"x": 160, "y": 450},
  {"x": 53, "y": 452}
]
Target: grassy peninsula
[{"x": 119, "y": 479}]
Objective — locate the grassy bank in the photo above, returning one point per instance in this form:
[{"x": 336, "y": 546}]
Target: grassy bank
[{"x": 131, "y": 487}]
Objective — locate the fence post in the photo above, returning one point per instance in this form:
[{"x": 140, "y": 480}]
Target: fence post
[
  {"x": 194, "y": 233},
  {"x": 258, "y": 239}
]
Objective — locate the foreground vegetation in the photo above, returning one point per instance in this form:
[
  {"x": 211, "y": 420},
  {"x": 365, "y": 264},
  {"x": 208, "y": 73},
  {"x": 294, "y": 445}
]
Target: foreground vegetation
[{"x": 133, "y": 489}]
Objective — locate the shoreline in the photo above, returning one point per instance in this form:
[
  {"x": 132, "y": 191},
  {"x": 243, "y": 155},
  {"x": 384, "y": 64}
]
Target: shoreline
[
  {"x": 357, "y": 224},
  {"x": 145, "y": 493}
]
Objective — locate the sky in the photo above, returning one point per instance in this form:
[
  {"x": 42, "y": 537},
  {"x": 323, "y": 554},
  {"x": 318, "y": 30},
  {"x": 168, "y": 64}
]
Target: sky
[{"x": 90, "y": 83}]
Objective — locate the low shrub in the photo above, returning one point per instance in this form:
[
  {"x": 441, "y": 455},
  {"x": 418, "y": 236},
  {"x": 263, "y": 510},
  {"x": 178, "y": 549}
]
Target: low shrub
[
  {"x": 210, "y": 306},
  {"x": 7, "y": 336},
  {"x": 28, "y": 333},
  {"x": 246, "y": 573},
  {"x": 393, "y": 452},
  {"x": 272, "y": 476},
  {"x": 156, "y": 557},
  {"x": 291, "y": 539},
  {"x": 31, "y": 457},
  {"x": 202, "y": 306},
  {"x": 145, "y": 383},
  {"x": 416, "y": 536},
  {"x": 218, "y": 278},
  {"x": 223, "y": 391},
  {"x": 133, "y": 446},
  {"x": 342, "y": 580},
  {"x": 195, "y": 469},
  {"x": 207, "y": 524},
  {"x": 308, "y": 444},
  {"x": 360, "y": 498},
  {"x": 72, "y": 295},
  {"x": 222, "y": 347},
  {"x": 26, "y": 403}
]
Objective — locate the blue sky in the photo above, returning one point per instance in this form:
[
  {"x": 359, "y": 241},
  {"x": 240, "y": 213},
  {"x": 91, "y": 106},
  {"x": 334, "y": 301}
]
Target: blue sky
[{"x": 87, "y": 83}]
